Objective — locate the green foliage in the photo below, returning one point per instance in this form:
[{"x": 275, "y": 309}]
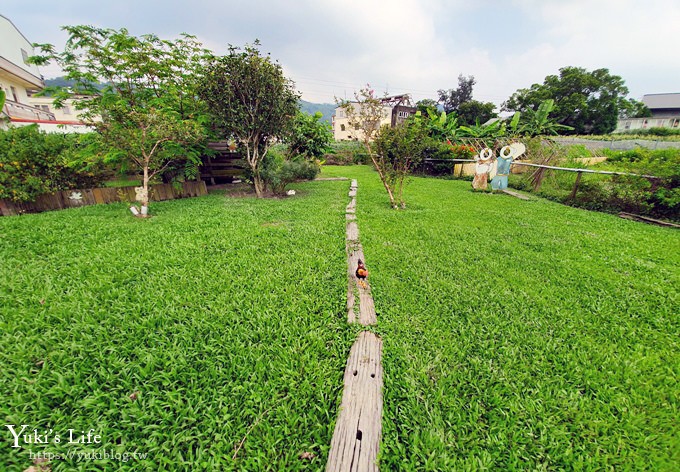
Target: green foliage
[
  {"x": 459, "y": 102},
  {"x": 250, "y": 100},
  {"x": 310, "y": 137},
  {"x": 226, "y": 321},
  {"x": 146, "y": 111},
  {"x": 632, "y": 108},
  {"x": 650, "y": 132},
  {"x": 33, "y": 162},
  {"x": 611, "y": 193},
  {"x": 345, "y": 153},
  {"x": 538, "y": 122},
  {"x": 426, "y": 106},
  {"x": 589, "y": 102},
  {"x": 521, "y": 335},
  {"x": 398, "y": 151},
  {"x": 473, "y": 111},
  {"x": 439, "y": 126},
  {"x": 279, "y": 170}
]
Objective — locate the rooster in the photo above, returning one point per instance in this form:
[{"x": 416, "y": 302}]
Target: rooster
[{"x": 361, "y": 273}]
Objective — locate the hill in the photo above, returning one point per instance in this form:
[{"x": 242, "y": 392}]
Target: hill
[{"x": 327, "y": 109}]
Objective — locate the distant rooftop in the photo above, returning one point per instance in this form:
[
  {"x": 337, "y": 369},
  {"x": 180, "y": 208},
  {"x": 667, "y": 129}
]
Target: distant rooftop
[{"x": 657, "y": 101}]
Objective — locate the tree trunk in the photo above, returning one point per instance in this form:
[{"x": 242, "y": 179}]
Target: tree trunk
[
  {"x": 145, "y": 186},
  {"x": 381, "y": 174}
]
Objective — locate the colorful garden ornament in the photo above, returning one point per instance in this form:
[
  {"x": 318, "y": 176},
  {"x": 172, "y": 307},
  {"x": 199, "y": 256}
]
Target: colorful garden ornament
[
  {"x": 503, "y": 163},
  {"x": 482, "y": 167}
]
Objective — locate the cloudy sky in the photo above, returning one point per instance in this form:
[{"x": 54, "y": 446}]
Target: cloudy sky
[{"x": 331, "y": 48}]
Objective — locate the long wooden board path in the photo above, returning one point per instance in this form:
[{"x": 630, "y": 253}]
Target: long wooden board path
[{"x": 357, "y": 434}]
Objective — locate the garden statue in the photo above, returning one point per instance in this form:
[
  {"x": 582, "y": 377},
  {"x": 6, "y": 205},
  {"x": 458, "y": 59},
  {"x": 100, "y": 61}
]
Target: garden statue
[
  {"x": 482, "y": 168},
  {"x": 140, "y": 194},
  {"x": 503, "y": 163}
]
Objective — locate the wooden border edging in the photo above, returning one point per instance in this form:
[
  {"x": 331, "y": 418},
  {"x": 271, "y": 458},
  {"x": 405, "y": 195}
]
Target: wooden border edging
[
  {"x": 645, "y": 219},
  {"x": 358, "y": 430},
  {"x": 95, "y": 196}
]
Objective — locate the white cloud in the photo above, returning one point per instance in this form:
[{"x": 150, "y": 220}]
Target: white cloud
[{"x": 332, "y": 48}]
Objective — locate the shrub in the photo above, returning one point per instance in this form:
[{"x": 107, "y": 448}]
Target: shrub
[
  {"x": 345, "y": 153},
  {"x": 33, "y": 162},
  {"x": 277, "y": 172}
]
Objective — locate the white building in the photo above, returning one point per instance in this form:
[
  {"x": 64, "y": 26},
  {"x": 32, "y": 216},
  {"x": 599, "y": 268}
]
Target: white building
[
  {"x": 21, "y": 81},
  {"x": 665, "y": 108},
  {"x": 396, "y": 109}
]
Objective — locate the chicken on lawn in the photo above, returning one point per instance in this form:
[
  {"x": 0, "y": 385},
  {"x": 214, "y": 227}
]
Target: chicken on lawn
[{"x": 361, "y": 273}]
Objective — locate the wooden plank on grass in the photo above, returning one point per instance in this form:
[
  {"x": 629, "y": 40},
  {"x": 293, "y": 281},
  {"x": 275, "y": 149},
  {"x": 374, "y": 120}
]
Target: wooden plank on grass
[
  {"x": 516, "y": 194},
  {"x": 351, "y": 207},
  {"x": 356, "y": 438},
  {"x": 646, "y": 219},
  {"x": 352, "y": 231}
]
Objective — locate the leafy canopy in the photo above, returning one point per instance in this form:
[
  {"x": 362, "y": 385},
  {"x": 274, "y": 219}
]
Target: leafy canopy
[
  {"x": 146, "y": 110},
  {"x": 249, "y": 99},
  {"x": 589, "y": 102}
]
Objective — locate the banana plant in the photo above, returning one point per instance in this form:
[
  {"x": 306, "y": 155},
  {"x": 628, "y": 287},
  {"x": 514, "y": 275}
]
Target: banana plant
[{"x": 539, "y": 122}]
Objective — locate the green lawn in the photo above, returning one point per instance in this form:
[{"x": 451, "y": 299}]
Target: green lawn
[
  {"x": 517, "y": 335},
  {"x": 521, "y": 335},
  {"x": 226, "y": 316}
]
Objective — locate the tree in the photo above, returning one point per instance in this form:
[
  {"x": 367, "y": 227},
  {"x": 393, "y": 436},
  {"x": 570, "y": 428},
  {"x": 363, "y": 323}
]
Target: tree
[
  {"x": 451, "y": 99},
  {"x": 310, "y": 137},
  {"x": 426, "y": 105},
  {"x": 397, "y": 151},
  {"x": 634, "y": 109},
  {"x": 472, "y": 111},
  {"x": 364, "y": 116},
  {"x": 250, "y": 100},
  {"x": 460, "y": 102},
  {"x": 589, "y": 102},
  {"x": 145, "y": 111}
]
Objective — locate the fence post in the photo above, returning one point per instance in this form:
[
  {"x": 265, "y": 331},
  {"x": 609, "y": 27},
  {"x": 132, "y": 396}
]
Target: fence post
[{"x": 578, "y": 181}]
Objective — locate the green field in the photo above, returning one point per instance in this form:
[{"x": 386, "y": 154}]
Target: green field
[
  {"x": 227, "y": 316},
  {"x": 517, "y": 335},
  {"x": 521, "y": 335}
]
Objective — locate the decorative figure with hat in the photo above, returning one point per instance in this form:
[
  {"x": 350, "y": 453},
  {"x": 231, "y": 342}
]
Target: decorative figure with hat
[
  {"x": 503, "y": 163},
  {"x": 482, "y": 167}
]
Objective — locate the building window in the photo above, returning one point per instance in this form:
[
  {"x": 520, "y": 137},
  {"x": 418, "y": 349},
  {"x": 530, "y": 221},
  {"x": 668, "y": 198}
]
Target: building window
[
  {"x": 14, "y": 94},
  {"x": 44, "y": 107},
  {"x": 66, "y": 110},
  {"x": 342, "y": 127},
  {"x": 24, "y": 55}
]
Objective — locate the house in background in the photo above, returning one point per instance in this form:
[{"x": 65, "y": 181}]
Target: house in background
[
  {"x": 21, "y": 81},
  {"x": 396, "y": 109},
  {"x": 665, "y": 108}
]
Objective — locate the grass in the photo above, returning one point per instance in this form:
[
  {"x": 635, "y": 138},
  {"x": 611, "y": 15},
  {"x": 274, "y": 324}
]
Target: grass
[
  {"x": 216, "y": 320},
  {"x": 125, "y": 181},
  {"x": 521, "y": 335},
  {"x": 517, "y": 335}
]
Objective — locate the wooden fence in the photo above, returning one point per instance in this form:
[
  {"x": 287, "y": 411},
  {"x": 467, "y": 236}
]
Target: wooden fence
[
  {"x": 225, "y": 166},
  {"x": 93, "y": 196}
]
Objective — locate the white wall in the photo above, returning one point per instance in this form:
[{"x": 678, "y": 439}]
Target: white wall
[{"x": 11, "y": 44}]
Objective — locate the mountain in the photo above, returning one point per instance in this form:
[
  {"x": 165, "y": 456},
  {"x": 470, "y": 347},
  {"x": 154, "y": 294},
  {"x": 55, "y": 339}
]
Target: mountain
[{"x": 327, "y": 109}]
